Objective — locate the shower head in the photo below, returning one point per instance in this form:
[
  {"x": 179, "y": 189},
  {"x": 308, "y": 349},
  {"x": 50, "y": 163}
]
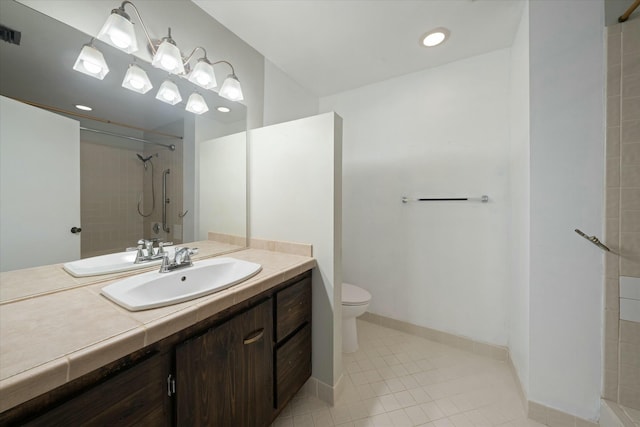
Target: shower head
[{"x": 144, "y": 160}]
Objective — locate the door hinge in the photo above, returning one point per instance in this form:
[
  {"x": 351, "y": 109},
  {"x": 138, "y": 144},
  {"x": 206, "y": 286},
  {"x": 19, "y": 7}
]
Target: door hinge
[{"x": 171, "y": 385}]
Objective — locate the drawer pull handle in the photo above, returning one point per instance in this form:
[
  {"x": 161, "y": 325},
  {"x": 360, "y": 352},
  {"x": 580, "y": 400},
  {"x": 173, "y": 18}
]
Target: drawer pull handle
[{"x": 254, "y": 336}]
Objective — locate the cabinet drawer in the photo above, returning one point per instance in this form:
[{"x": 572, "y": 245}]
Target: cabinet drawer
[
  {"x": 293, "y": 308},
  {"x": 293, "y": 365}
]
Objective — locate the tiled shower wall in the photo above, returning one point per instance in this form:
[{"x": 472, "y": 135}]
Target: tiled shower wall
[
  {"x": 110, "y": 182},
  {"x": 622, "y": 338},
  {"x": 164, "y": 159}
]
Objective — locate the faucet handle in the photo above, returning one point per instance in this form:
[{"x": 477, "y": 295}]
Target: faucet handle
[
  {"x": 139, "y": 254},
  {"x": 164, "y": 267},
  {"x": 161, "y": 246}
]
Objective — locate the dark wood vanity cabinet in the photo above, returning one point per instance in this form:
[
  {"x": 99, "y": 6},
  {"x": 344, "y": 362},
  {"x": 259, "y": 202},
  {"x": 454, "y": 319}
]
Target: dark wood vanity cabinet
[
  {"x": 134, "y": 397},
  {"x": 237, "y": 368},
  {"x": 224, "y": 376},
  {"x": 293, "y": 340}
]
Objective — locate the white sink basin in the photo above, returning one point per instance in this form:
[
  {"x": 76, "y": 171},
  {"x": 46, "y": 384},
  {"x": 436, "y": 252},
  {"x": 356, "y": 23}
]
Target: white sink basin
[
  {"x": 111, "y": 263},
  {"x": 154, "y": 289}
]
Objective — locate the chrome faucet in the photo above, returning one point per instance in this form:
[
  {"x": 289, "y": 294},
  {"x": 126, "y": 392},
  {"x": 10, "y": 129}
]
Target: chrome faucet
[
  {"x": 150, "y": 255},
  {"x": 181, "y": 259}
]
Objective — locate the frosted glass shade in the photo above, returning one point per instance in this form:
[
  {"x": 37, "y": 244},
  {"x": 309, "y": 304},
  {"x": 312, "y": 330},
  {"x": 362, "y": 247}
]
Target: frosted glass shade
[
  {"x": 118, "y": 32},
  {"x": 168, "y": 58},
  {"x": 137, "y": 80},
  {"x": 231, "y": 89},
  {"x": 196, "y": 104},
  {"x": 91, "y": 62},
  {"x": 203, "y": 75},
  {"x": 169, "y": 93}
]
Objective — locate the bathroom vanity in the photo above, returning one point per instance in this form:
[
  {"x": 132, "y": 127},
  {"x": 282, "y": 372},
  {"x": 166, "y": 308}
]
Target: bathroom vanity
[{"x": 236, "y": 364}]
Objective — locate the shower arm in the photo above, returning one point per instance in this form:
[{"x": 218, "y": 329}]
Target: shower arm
[{"x": 165, "y": 200}]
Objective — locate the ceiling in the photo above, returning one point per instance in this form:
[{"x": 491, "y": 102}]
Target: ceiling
[{"x": 331, "y": 46}]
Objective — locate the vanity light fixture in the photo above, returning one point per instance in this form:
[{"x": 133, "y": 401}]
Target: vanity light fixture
[
  {"x": 196, "y": 104},
  {"x": 223, "y": 109},
  {"x": 137, "y": 80},
  {"x": 168, "y": 56},
  {"x": 169, "y": 93},
  {"x": 231, "y": 89},
  {"x": 118, "y": 30},
  {"x": 203, "y": 75},
  {"x": 434, "y": 37},
  {"x": 91, "y": 62}
]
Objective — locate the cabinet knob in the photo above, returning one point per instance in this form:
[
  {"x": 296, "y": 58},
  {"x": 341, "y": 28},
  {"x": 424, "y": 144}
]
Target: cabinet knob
[{"x": 76, "y": 230}]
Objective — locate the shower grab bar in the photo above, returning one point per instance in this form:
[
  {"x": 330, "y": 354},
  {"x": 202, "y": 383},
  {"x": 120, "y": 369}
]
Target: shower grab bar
[
  {"x": 484, "y": 199},
  {"x": 594, "y": 240},
  {"x": 171, "y": 147},
  {"x": 165, "y": 200}
]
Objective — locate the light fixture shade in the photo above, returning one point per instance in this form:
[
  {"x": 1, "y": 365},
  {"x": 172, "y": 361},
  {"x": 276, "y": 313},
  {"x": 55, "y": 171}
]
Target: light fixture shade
[
  {"x": 203, "y": 75},
  {"x": 231, "y": 89},
  {"x": 168, "y": 58},
  {"x": 196, "y": 104},
  {"x": 137, "y": 80},
  {"x": 118, "y": 32},
  {"x": 91, "y": 62},
  {"x": 169, "y": 93}
]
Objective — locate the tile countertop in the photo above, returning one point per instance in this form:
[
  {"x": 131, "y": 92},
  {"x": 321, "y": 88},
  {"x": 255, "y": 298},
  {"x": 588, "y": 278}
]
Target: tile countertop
[{"x": 50, "y": 339}]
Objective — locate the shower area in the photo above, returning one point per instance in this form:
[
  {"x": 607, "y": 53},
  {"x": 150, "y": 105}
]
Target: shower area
[
  {"x": 621, "y": 378},
  {"x": 130, "y": 189}
]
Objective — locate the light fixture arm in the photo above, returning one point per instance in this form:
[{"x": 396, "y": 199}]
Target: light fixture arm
[
  {"x": 228, "y": 63},
  {"x": 144, "y": 27},
  {"x": 188, "y": 58}
]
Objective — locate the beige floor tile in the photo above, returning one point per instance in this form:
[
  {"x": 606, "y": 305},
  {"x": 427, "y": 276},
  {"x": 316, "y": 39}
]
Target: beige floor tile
[{"x": 396, "y": 379}]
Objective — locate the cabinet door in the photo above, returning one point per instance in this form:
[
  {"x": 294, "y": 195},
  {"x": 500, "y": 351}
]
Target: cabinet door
[
  {"x": 134, "y": 397},
  {"x": 224, "y": 377}
]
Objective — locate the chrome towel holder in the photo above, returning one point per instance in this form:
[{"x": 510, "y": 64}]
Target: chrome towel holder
[
  {"x": 594, "y": 240},
  {"x": 484, "y": 199}
]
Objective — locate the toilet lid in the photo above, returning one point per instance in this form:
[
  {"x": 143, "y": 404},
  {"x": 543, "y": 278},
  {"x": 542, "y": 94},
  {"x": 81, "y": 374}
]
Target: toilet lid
[{"x": 353, "y": 295}]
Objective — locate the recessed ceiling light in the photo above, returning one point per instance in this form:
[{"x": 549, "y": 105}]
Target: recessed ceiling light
[
  {"x": 83, "y": 107},
  {"x": 223, "y": 109},
  {"x": 434, "y": 37}
]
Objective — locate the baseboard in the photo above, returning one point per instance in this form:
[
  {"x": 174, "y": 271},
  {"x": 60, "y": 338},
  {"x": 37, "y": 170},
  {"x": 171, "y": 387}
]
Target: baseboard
[
  {"x": 490, "y": 350},
  {"x": 554, "y": 417},
  {"x": 323, "y": 391},
  {"x": 521, "y": 390}
]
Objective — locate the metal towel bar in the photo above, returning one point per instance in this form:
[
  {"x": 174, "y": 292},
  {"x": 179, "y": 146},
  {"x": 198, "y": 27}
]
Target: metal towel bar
[
  {"x": 483, "y": 199},
  {"x": 594, "y": 240}
]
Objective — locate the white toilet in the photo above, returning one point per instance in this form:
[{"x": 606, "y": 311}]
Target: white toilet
[{"x": 355, "y": 302}]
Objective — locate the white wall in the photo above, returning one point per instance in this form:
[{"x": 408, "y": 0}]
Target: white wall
[
  {"x": 519, "y": 229},
  {"x": 567, "y": 169},
  {"x": 39, "y": 186},
  {"x": 295, "y": 184},
  {"x": 439, "y": 132},
  {"x": 284, "y": 99},
  {"x": 223, "y": 177}
]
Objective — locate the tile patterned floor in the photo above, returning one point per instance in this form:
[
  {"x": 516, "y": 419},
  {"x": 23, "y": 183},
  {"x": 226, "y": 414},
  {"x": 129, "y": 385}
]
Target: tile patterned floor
[
  {"x": 397, "y": 379},
  {"x": 634, "y": 414}
]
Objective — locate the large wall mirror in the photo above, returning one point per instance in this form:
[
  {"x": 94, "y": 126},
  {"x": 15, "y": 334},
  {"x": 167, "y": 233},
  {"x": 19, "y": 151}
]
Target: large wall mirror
[{"x": 146, "y": 169}]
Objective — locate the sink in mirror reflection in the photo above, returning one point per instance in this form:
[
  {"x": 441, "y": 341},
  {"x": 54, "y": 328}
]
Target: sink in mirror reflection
[
  {"x": 111, "y": 263},
  {"x": 155, "y": 289}
]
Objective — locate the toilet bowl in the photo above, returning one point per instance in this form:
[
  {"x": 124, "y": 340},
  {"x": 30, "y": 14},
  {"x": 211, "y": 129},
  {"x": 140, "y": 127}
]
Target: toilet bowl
[{"x": 355, "y": 302}]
